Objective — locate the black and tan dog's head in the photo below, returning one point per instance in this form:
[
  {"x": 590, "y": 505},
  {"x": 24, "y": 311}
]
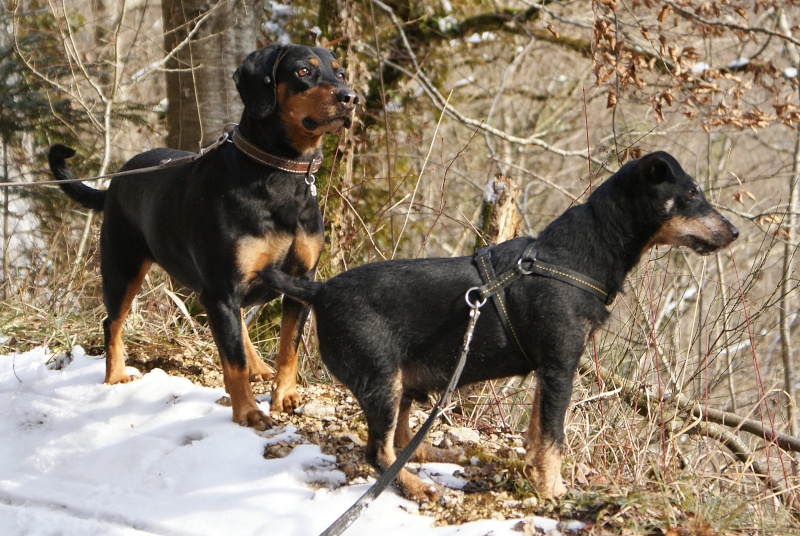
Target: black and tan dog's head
[
  {"x": 301, "y": 87},
  {"x": 675, "y": 201}
]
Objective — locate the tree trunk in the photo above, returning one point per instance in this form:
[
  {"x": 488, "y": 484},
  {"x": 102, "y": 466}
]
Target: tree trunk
[
  {"x": 500, "y": 218},
  {"x": 208, "y": 41}
]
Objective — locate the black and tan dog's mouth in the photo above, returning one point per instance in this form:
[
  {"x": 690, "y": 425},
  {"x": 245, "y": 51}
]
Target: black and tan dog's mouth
[
  {"x": 704, "y": 247},
  {"x": 329, "y": 124}
]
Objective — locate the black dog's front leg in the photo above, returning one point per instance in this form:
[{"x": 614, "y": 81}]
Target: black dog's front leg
[
  {"x": 545, "y": 437},
  {"x": 225, "y": 321}
]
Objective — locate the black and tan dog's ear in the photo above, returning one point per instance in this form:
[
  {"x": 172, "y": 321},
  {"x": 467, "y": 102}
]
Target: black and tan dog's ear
[
  {"x": 658, "y": 167},
  {"x": 255, "y": 81}
]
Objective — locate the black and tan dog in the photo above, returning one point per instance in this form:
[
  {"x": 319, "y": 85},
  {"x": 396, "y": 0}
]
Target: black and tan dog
[
  {"x": 391, "y": 331},
  {"x": 214, "y": 222}
]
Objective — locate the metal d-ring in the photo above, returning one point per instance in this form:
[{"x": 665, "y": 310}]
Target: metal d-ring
[
  {"x": 477, "y": 304},
  {"x": 522, "y": 270}
]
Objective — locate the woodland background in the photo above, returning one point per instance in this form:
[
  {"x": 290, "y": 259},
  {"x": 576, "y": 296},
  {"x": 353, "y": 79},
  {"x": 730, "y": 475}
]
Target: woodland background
[{"x": 685, "y": 405}]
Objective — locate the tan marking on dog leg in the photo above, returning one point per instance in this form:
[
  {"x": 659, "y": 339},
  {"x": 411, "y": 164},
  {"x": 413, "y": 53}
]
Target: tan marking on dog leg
[
  {"x": 424, "y": 453},
  {"x": 255, "y": 253},
  {"x": 259, "y": 371},
  {"x": 543, "y": 459},
  {"x": 245, "y": 409},
  {"x": 115, "y": 348}
]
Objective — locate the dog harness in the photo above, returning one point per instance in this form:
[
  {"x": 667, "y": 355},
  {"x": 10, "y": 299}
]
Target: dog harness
[{"x": 494, "y": 286}]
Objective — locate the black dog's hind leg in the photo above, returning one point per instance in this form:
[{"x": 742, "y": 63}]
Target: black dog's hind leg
[
  {"x": 225, "y": 320},
  {"x": 381, "y": 405},
  {"x": 403, "y": 435},
  {"x": 301, "y": 261}
]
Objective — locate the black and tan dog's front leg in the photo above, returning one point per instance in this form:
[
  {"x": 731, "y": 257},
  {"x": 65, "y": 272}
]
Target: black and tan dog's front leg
[
  {"x": 226, "y": 326},
  {"x": 545, "y": 438},
  {"x": 284, "y": 393},
  {"x": 301, "y": 261}
]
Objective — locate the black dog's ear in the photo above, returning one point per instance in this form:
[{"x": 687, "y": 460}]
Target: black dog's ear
[
  {"x": 658, "y": 167},
  {"x": 255, "y": 80}
]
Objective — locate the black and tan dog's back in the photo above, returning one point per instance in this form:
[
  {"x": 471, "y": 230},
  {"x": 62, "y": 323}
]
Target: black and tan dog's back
[
  {"x": 391, "y": 331},
  {"x": 214, "y": 222}
]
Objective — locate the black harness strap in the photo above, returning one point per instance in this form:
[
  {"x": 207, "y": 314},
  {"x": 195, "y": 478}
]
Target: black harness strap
[
  {"x": 575, "y": 279},
  {"x": 494, "y": 286}
]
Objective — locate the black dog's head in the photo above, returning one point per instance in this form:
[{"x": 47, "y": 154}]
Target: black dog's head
[
  {"x": 301, "y": 87},
  {"x": 674, "y": 200},
  {"x": 668, "y": 205}
]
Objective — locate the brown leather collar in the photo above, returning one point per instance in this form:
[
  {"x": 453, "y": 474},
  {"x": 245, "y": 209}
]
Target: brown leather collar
[{"x": 277, "y": 162}]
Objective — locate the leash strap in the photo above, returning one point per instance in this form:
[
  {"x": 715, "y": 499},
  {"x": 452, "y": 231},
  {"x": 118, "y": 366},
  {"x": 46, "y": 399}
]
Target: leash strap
[
  {"x": 164, "y": 164},
  {"x": 386, "y": 478}
]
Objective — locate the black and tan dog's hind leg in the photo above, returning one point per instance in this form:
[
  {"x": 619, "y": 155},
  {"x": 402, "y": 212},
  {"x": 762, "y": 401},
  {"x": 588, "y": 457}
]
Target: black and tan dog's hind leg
[
  {"x": 381, "y": 414},
  {"x": 124, "y": 265}
]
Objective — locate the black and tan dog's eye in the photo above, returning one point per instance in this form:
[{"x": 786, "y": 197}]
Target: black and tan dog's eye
[
  {"x": 340, "y": 76},
  {"x": 302, "y": 72}
]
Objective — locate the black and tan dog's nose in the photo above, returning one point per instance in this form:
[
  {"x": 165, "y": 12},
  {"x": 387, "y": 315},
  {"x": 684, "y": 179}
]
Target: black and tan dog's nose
[{"x": 347, "y": 97}]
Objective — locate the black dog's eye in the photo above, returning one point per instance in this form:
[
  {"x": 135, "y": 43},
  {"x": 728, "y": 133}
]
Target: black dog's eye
[
  {"x": 340, "y": 76},
  {"x": 691, "y": 194},
  {"x": 302, "y": 72}
]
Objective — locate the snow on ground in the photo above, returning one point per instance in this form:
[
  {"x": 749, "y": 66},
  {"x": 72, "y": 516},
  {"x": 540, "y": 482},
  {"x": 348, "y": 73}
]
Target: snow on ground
[{"x": 159, "y": 456}]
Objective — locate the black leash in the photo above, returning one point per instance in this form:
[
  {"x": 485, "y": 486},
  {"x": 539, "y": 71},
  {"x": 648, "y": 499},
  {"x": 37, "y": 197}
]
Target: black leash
[{"x": 386, "y": 478}]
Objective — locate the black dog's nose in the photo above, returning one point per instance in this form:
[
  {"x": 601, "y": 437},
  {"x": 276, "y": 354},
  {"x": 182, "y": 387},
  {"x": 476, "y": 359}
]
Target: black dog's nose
[
  {"x": 347, "y": 97},
  {"x": 734, "y": 232}
]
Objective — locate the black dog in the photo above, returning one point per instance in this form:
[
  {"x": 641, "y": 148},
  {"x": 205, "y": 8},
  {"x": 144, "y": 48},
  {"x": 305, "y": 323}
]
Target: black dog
[
  {"x": 391, "y": 331},
  {"x": 214, "y": 222}
]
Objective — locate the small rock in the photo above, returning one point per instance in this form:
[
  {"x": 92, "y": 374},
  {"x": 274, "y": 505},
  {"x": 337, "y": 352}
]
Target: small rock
[
  {"x": 463, "y": 435},
  {"x": 317, "y": 410}
]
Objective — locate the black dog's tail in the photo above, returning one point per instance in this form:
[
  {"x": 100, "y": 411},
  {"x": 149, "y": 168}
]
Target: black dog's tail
[
  {"x": 301, "y": 290},
  {"x": 86, "y": 196}
]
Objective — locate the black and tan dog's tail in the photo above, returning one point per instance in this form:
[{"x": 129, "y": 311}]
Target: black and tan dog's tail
[
  {"x": 302, "y": 290},
  {"x": 85, "y": 195}
]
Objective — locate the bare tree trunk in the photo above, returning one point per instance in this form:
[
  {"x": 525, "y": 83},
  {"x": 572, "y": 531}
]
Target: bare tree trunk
[
  {"x": 786, "y": 308},
  {"x": 500, "y": 218},
  {"x": 201, "y": 96}
]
